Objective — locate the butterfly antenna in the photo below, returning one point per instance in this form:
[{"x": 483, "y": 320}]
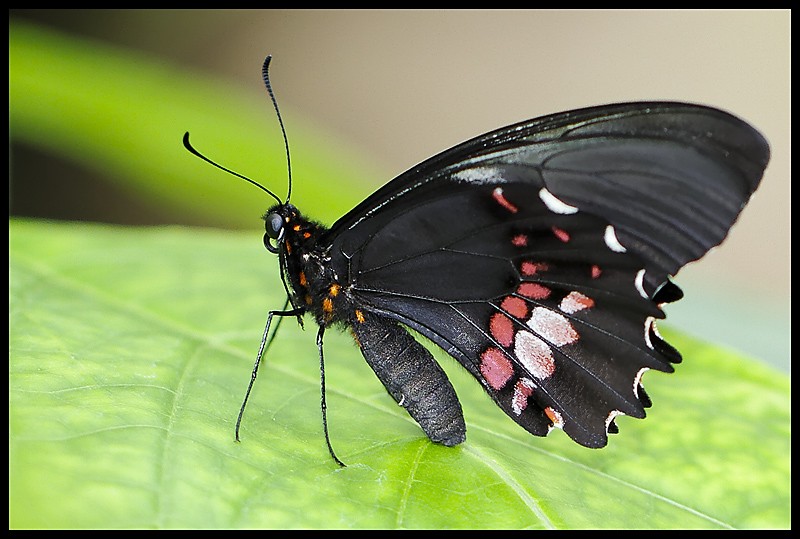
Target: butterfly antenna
[
  {"x": 265, "y": 75},
  {"x": 191, "y": 149}
]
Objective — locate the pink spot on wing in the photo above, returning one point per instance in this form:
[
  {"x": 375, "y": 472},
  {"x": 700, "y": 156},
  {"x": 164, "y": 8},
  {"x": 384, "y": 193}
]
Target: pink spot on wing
[
  {"x": 534, "y": 354},
  {"x": 522, "y": 390},
  {"x": 574, "y": 302},
  {"x": 533, "y": 291},
  {"x": 515, "y": 306},
  {"x": 561, "y": 234},
  {"x": 500, "y": 198},
  {"x": 520, "y": 240},
  {"x": 502, "y": 328},
  {"x": 552, "y": 327},
  {"x": 596, "y": 271},
  {"x": 532, "y": 268},
  {"x": 496, "y": 368}
]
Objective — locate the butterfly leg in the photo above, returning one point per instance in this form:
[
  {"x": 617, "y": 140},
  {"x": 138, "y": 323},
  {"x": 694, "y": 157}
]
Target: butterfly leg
[
  {"x": 412, "y": 377},
  {"x": 264, "y": 344},
  {"x": 324, "y": 405}
]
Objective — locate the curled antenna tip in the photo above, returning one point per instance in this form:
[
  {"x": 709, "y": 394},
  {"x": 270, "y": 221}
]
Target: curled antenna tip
[
  {"x": 265, "y": 76},
  {"x": 265, "y": 67},
  {"x": 192, "y": 150}
]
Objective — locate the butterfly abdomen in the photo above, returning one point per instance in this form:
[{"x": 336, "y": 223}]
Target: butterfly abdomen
[{"x": 411, "y": 376}]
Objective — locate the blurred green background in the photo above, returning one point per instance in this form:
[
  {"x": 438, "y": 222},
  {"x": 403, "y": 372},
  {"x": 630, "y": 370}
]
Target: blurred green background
[{"x": 367, "y": 94}]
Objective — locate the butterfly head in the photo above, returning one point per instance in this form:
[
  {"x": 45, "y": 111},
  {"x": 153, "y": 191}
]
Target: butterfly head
[
  {"x": 282, "y": 225},
  {"x": 287, "y": 231}
]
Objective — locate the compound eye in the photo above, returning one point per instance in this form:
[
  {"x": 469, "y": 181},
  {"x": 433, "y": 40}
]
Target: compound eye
[
  {"x": 274, "y": 231},
  {"x": 274, "y": 225}
]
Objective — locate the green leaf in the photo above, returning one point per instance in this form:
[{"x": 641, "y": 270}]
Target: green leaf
[{"x": 130, "y": 350}]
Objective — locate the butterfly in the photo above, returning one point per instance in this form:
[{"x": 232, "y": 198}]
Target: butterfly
[{"x": 538, "y": 255}]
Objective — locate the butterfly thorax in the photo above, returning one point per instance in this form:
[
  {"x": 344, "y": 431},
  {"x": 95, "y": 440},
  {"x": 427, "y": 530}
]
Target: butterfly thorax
[{"x": 305, "y": 262}]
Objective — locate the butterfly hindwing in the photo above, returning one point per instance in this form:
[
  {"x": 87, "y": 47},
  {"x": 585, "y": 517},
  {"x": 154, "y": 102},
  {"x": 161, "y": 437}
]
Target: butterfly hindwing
[{"x": 533, "y": 303}]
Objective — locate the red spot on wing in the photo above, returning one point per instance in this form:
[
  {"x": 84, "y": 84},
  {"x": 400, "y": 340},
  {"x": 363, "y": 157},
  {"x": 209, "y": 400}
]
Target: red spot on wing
[
  {"x": 533, "y": 291},
  {"x": 554, "y": 416},
  {"x": 496, "y": 368},
  {"x": 561, "y": 234},
  {"x": 520, "y": 240},
  {"x": 502, "y": 328},
  {"x": 596, "y": 271},
  {"x": 532, "y": 268},
  {"x": 500, "y": 198},
  {"x": 515, "y": 306}
]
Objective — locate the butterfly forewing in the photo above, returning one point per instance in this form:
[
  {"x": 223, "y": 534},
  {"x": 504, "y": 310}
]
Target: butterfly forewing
[{"x": 672, "y": 177}]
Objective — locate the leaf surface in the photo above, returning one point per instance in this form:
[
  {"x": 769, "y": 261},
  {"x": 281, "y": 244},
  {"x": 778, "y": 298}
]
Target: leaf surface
[{"x": 130, "y": 350}]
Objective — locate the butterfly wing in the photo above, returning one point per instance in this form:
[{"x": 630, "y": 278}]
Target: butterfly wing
[
  {"x": 671, "y": 177},
  {"x": 537, "y": 255}
]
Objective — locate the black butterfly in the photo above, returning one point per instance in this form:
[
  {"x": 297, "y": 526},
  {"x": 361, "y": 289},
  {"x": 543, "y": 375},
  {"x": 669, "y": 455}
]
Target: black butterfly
[{"x": 538, "y": 256}]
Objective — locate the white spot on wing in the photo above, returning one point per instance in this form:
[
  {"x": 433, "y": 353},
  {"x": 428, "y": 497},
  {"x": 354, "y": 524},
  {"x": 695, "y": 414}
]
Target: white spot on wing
[
  {"x": 655, "y": 330},
  {"x": 554, "y": 204},
  {"x": 611, "y": 240},
  {"x": 534, "y": 354},
  {"x": 648, "y": 324},
  {"x": 639, "y": 281},
  {"x": 522, "y": 390},
  {"x": 478, "y": 175},
  {"x": 574, "y": 302},
  {"x": 611, "y": 417},
  {"x": 552, "y": 326},
  {"x": 638, "y": 380}
]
